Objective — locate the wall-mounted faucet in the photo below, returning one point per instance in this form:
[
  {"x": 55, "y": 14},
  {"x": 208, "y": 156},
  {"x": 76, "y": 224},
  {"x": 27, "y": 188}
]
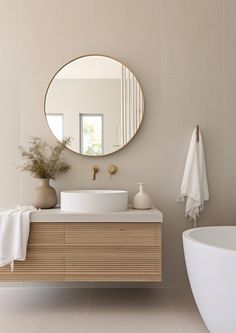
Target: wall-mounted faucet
[
  {"x": 112, "y": 170},
  {"x": 94, "y": 172}
]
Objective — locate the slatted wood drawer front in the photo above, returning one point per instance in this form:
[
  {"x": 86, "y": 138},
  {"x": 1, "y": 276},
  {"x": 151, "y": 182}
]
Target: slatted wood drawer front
[
  {"x": 42, "y": 264},
  {"x": 113, "y": 233},
  {"x": 47, "y": 233},
  {"x": 90, "y": 252},
  {"x": 113, "y": 252},
  {"x": 45, "y": 256}
]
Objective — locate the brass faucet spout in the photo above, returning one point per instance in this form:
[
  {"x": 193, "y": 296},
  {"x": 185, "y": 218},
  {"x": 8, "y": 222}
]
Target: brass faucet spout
[{"x": 94, "y": 172}]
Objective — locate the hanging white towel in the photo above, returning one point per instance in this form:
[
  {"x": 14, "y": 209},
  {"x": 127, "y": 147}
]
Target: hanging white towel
[
  {"x": 14, "y": 233},
  {"x": 194, "y": 185}
]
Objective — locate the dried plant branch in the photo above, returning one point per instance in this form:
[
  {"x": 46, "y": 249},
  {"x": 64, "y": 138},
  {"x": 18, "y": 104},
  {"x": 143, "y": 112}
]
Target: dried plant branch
[{"x": 43, "y": 160}]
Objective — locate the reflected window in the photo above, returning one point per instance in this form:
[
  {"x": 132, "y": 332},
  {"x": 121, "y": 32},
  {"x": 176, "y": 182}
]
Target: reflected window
[
  {"x": 91, "y": 134},
  {"x": 55, "y": 122}
]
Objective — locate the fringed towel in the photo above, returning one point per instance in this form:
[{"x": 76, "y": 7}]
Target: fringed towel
[
  {"x": 194, "y": 184},
  {"x": 14, "y": 233}
]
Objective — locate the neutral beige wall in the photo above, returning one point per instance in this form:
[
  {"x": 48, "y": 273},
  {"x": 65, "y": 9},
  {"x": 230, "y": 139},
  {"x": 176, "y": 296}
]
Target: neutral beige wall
[{"x": 184, "y": 54}]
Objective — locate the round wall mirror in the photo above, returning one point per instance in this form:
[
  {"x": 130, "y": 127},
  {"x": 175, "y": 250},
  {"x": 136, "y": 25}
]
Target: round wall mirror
[{"x": 97, "y": 102}]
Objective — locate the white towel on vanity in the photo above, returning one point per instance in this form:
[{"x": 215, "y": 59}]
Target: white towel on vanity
[
  {"x": 14, "y": 233},
  {"x": 194, "y": 185}
]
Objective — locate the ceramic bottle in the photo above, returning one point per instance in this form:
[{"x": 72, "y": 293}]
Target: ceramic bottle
[{"x": 141, "y": 199}]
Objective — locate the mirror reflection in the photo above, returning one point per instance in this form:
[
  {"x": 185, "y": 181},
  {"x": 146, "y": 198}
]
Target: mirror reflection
[{"x": 97, "y": 102}]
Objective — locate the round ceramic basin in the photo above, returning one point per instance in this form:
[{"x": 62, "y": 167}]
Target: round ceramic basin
[{"x": 93, "y": 201}]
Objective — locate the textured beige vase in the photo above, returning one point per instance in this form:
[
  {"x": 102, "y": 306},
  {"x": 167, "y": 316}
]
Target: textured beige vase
[{"x": 44, "y": 195}]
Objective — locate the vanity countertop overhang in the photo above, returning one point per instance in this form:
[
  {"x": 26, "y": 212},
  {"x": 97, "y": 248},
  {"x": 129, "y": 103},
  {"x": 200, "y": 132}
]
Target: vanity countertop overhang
[{"x": 129, "y": 216}]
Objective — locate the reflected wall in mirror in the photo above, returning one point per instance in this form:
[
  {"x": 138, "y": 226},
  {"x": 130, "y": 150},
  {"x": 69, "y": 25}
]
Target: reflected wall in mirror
[{"x": 97, "y": 102}]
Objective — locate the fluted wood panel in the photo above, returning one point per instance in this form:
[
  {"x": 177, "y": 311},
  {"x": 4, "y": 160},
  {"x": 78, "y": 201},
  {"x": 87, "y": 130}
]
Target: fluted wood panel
[
  {"x": 43, "y": 263},
  {"x": 90, "y": 252},
  {"x": 45, "y": 255},
  {"x": 113, "y": 263},
  {"x": 47, "y": 233},
  {"x": 113, "y": 252},
  {"x": 113, "y": 233}
]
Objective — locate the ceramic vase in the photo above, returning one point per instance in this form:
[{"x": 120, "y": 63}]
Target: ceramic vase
[
  {"x": 44, "y": 195},
  {"x": 142, "y": 199}
]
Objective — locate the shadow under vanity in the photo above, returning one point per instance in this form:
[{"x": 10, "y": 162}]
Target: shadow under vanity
[{"x": 121, "y": 246}]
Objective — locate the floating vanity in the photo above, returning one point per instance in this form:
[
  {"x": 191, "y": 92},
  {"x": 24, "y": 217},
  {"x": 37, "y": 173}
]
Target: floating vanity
[{"x": 120, "y": 246}]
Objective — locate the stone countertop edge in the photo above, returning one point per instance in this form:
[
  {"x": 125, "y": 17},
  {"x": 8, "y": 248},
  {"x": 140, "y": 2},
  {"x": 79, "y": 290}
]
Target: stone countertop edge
[{"x": 129, "y": 215}]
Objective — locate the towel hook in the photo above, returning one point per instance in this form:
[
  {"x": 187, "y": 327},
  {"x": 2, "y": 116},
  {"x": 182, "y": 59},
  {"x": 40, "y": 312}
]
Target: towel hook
[{"x": 197, "y": 133}]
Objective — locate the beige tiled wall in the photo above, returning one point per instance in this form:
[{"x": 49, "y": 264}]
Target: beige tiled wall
[{"x": 184, "y": 54}]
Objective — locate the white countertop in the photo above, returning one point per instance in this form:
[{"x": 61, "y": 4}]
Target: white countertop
[{"x": 130, "y": 215}]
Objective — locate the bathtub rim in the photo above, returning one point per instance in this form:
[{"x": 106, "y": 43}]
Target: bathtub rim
[{"x": 186, "y": 235}]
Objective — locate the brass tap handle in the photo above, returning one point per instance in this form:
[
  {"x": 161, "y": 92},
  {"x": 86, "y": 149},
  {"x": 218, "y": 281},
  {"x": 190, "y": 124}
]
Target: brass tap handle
[
  {"x": 112, "y": 170},
  {"x": 95, "y": 170}
]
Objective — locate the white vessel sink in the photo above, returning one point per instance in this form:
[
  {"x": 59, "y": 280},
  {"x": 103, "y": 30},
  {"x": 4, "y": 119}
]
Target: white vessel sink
[{"x": 92, "y": 201}]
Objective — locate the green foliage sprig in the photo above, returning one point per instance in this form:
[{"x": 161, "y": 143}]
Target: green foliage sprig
[{"x": 43, "y": 160}]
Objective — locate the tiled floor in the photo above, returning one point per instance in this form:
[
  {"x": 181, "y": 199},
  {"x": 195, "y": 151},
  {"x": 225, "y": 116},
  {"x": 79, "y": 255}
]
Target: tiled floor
[{"x": 44, "y": 310}]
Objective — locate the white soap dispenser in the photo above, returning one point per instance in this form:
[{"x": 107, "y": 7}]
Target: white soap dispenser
[{"x": 141, "y": 199}]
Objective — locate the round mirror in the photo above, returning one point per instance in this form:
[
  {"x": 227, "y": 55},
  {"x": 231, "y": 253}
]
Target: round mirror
[{"x": 97, "y": 102}]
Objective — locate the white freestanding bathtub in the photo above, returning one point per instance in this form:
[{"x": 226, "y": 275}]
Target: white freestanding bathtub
[{"x": 210, "y": 255}]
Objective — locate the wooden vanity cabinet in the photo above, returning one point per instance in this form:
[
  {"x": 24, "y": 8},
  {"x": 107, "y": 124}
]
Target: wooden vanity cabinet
[{"x": 91, "y": 251}]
